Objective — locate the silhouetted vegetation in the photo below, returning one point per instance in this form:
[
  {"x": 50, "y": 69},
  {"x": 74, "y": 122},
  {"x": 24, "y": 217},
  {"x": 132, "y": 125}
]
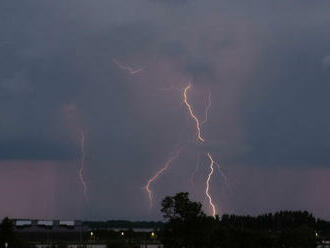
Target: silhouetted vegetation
[
  {"x": 188, "y": 226},
  {"x": 8, "y": 236}
]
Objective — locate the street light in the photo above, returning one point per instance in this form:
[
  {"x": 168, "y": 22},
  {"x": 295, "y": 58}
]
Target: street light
[{"x": 92, "y": 236}]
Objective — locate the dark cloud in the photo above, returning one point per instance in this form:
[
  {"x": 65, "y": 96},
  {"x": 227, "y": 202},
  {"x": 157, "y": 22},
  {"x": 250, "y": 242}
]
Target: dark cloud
[
  {"x": 29, "y": 149},
  {"x": 286, "y": 120},
  {"x": 265, "y": 64},
  {"x": 200, "y": 70},
  {"x": 173, "y": 49},
  {"x": 326, "y": 62},
  {"x": 174, "y": 2}
]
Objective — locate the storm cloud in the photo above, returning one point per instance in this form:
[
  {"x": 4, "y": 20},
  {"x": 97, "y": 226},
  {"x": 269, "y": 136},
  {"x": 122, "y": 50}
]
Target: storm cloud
[{"x": 265, "y": 63}]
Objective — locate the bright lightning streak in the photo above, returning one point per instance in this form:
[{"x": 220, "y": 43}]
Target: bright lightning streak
[
  {"x": 207, "y": 189},
  {"x": 128, "y": 68},
  {"x": 193, "y": 116},
  {"x": 159, "y": 173},
  {"x": 209, "y": 104},
  {"x": 200, "y": 138},
  {"x": 82, "y": 163}
]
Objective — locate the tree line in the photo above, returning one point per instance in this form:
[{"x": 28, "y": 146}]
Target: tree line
[{"x": 188, "y": 226}]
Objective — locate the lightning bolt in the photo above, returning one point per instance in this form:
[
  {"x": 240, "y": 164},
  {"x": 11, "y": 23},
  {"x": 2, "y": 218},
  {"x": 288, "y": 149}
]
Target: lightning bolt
[
  {"x": 193, "y": 116},
  {"x": 82, "y": 163},
  {"x": 128, "y": 68},
  {"x": 207, "y": 109},
  {"x": 207, "y": 189},
  {"x": 171, "y": 159},
  {"x": 223, "y": 174},
  {"x": 201, "y": 139},
  {"x": 209, "y": 104}
]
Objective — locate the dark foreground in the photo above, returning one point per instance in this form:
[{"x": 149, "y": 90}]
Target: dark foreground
[{"x": 186, "y": 225}]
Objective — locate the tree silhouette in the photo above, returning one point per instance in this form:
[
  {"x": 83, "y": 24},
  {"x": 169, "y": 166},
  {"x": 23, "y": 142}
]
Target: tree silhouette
[
  {"x": 188, "y": 226},
  {"x": 7, "y": 234}
]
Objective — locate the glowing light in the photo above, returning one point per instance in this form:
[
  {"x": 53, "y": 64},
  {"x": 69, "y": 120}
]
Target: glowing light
[
  {"x": 159, "y": 173},
  {"x": 193, "y": 116},
  {"x": 128, "y": 68},
  {"x": 207, "y": 189},
  {"x": 200, "y": 139},
  {"x": 82, "y": 163},
  {"x": 222, "y": 173},
  {"x": 209, "y": 104}
]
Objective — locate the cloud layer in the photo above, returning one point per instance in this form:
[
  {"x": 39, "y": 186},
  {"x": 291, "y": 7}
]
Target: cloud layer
[{"x": 265, "y": 63}]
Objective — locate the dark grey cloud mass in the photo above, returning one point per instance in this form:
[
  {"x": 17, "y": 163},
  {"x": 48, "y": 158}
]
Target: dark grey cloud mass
[{"x": 266, "y": 64}]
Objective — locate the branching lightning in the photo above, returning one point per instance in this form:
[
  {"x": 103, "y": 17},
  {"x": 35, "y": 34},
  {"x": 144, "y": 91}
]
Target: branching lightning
[
  {"x": 193, "y": 116},
  {"x": 222, "y": 173},
  {"x": 200, "y": 139},
  {"x": 82, "y": 163},
  {"x": 207, "y": 189},
  {"x": 147, "y": 187},
  {"x": 128, "y": 68},
  {"x": 209, "y": 104}
]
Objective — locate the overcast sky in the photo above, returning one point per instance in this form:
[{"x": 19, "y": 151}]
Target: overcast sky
[{"x": 62, "y": 72}]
